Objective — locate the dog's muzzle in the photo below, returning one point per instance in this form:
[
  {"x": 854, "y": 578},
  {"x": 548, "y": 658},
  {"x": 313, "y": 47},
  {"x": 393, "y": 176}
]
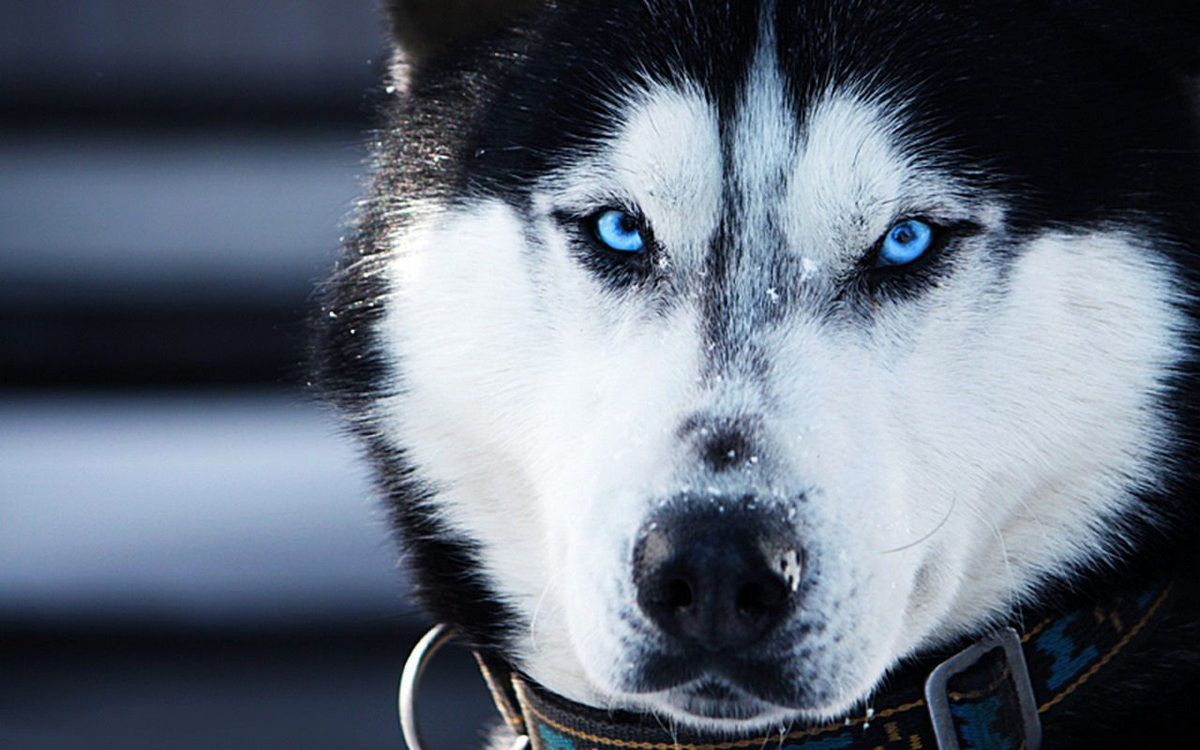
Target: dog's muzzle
[{"x": 718, "y": 583}]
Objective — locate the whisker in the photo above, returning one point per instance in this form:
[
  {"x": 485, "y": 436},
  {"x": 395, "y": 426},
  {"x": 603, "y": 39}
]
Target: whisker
[
  {"x": 537, "y": 610},
  {"x": 936, "y": 529}
]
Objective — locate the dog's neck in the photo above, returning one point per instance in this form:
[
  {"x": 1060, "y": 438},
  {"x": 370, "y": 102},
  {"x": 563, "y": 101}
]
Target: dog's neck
[{"x": 1001, "y": 688}]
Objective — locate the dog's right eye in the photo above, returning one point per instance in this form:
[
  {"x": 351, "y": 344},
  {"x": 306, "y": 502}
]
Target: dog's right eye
[
  {"x": 618, "y": 230},
  {"x": 905, "y": 242}
]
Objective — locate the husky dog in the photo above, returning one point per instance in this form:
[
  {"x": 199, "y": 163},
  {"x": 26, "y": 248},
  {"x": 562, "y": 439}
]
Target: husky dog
[{"x": 718, "y": 359}]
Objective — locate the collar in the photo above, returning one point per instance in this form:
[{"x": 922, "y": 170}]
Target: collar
[{"x": 996, "y": 693}]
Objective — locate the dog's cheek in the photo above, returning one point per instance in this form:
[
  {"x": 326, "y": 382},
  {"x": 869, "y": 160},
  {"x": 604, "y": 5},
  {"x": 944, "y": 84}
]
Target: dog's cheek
[
  {"x": 463, "y": 359},
  {"x": 1092, "y": 332},
  {"x": 462, "y": 328},
  {"x": 1039, "y": 415}
]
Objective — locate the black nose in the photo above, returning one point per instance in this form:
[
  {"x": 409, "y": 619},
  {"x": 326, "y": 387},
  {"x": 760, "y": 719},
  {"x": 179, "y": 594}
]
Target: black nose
[{"x": 716, "y": 577}]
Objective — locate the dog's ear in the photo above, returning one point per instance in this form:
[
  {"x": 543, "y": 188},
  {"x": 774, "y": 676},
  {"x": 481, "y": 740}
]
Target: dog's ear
[
  {"x": 1164, "y": 31},
  {"x": 422, "y": 28}
]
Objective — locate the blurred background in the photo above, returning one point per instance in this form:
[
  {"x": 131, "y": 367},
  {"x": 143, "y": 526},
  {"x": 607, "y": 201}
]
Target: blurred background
[{"x": 190, "y": 554}]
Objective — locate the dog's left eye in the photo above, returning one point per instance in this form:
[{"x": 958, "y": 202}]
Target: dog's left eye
[
  {"x": 904, "y": 242},
  {"x": 619, "y": 231}
]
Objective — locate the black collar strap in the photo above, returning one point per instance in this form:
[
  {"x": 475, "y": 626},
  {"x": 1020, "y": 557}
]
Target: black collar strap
[{"x": 995, "y": 694}]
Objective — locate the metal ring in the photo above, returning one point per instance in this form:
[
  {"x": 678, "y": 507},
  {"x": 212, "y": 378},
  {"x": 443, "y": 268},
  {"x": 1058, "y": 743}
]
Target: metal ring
[{"x": 410, "y": 681}]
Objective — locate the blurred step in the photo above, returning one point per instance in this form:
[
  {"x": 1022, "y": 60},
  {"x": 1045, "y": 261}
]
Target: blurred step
[
  {"x": 160, "y": 217},
  {"x": 212, "y": 509},
  {"x": 135, "y": 258},
  {"x": 127, "y": 60}
]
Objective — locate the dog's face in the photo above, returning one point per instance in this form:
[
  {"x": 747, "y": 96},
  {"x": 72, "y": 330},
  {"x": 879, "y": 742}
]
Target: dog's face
[{"x": 716, "y": 359}]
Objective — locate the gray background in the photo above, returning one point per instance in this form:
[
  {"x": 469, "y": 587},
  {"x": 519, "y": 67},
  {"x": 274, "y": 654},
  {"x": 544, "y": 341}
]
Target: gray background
[{"x": 190, "y": 554}]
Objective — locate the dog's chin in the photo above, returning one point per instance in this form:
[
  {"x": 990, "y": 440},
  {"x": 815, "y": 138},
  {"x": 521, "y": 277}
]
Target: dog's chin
[
  {"x": 717, "y": 704},
  {"x": 730, "y": 695}
]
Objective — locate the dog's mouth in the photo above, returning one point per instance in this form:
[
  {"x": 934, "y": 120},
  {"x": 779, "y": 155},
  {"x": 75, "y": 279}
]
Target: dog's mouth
[
  {"x": 731, "y": 690},
  {"x": 725, "y": 685},
  {"x": 717, "y": 699}
]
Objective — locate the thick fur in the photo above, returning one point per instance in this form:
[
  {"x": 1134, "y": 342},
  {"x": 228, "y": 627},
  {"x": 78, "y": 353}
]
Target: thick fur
[{"x": 1003, "y": 427}]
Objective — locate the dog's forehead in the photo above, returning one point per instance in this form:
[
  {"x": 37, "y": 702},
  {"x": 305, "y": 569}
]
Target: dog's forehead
[
  {"x": 1004, "y": 108},
  {"x": 809, "y": 178},
  {"x": 822, "y": 172},
  {"x": 732, "y": 141}
]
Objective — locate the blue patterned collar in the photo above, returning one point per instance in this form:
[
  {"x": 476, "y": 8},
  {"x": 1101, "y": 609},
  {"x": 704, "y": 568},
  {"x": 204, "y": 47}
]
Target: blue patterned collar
[{"x": 994, "y": 695}]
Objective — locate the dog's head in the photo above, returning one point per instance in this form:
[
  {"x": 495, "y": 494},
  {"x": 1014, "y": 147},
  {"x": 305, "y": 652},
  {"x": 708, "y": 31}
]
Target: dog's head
[{"x": 716, "y": 356}]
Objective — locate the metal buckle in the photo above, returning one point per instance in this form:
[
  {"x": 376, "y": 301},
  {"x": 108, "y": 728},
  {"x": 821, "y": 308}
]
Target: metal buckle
[
  {"x": 410, "y": 683},
  {"x": 938, "y": 699}
]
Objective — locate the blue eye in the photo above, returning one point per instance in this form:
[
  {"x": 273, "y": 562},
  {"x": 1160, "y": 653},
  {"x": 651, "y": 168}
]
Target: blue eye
[
  {"x": 619, "y": 231},
  {"x": 906, "y": 241}
]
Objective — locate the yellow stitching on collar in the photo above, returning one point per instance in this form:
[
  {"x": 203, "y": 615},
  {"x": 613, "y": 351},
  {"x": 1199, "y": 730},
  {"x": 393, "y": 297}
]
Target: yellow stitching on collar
[{"x": 1107, "y": 657}]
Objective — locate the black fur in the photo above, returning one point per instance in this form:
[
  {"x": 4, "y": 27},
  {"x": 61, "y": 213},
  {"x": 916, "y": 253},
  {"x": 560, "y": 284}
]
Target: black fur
[{"x": 1077, "y": 111}]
